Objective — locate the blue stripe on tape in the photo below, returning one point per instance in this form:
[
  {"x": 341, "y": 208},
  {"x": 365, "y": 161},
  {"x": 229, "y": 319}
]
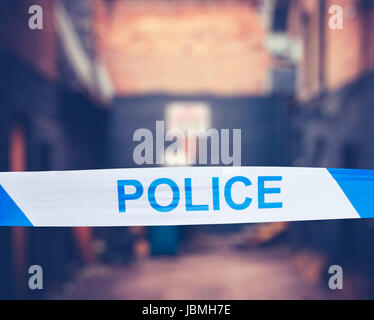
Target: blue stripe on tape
[
  {"x": 10, "y": 213},
  {"x": 358, "y": 186}
]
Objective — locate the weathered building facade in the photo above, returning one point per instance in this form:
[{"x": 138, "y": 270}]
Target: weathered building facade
[
  {"x": 332, "y": 117},
  {"x": 52, "y": 117}
]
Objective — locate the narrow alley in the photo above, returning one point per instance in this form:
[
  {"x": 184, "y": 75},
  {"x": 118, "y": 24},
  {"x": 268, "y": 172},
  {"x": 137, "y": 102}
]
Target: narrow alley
[{"x": 213, "y": 266}]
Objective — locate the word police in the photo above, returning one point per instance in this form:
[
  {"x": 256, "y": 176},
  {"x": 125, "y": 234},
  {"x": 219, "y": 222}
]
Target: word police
[{"x": 174, "y": 193}]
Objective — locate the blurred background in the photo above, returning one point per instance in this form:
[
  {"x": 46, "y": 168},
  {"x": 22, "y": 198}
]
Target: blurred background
[{"x": 73, "y": 93}]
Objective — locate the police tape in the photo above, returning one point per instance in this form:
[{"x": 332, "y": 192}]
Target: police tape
[{"x": 184, "y": 196}]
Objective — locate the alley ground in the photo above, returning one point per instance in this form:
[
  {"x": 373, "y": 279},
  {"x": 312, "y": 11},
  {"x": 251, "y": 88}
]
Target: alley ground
[{"x": 206, "y": 272}]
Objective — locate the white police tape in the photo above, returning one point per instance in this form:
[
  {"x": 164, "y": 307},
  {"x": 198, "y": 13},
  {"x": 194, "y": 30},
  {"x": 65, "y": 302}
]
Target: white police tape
[{"x": 183, "y": 196}]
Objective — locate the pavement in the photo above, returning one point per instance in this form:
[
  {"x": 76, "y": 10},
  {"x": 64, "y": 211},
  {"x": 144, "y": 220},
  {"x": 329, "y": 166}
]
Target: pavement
[{"x": 208, "y": 272}]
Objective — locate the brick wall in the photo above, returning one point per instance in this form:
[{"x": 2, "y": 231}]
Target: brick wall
[
  {"x": 344, "y": 57},
  {"x": 332, "y": 58},
  {"x": 184, "y": 47}
]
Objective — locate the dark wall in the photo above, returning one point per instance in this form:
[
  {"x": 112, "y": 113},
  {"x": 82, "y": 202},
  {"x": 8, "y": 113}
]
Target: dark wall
[
  {"x": 85, "y": 129},
  {"x": 336, "y": 130},
  {"x": 63, "y": 130},
  {"x": 28, "y": 100},
  {"x": 263, "y": 122}
]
